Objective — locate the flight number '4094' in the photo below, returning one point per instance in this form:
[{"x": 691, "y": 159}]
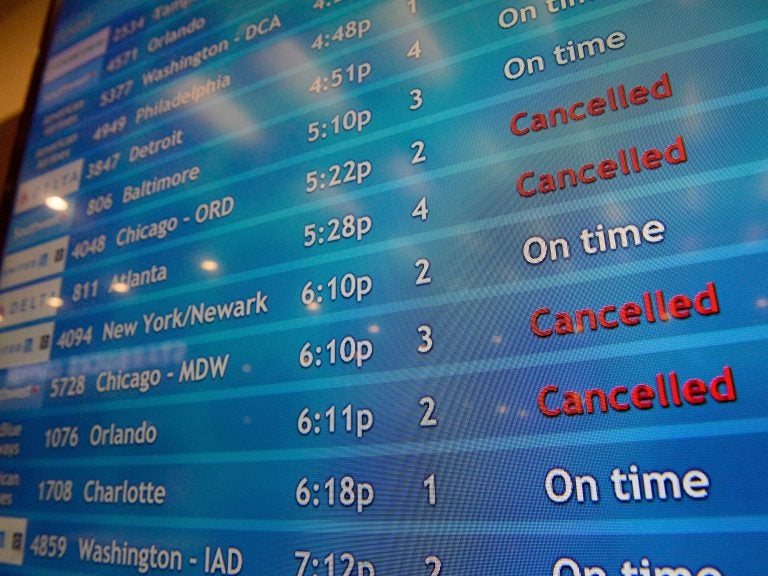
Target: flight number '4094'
[{"x": 75, "y": 337}]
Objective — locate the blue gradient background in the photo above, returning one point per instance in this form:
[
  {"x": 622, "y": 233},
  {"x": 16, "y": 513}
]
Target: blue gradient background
[{"x": 229, "y": 451}]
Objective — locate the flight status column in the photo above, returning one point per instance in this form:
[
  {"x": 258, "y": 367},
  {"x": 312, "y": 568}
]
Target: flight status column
[{"x": 341, "y": 287}]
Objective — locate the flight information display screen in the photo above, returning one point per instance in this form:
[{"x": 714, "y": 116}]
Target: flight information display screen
[{"x": 395, "y": 287}]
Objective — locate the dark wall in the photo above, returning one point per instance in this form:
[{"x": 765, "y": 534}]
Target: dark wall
[{"x": 8, "y": 131}]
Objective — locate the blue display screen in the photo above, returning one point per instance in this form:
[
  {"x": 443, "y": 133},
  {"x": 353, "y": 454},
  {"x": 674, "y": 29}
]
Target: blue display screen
[{"x": 396, "y": 287}]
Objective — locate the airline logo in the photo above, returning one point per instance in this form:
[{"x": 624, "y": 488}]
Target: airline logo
[
  {"x": 60, "y": 182},
  {"x": 77, "y": 55},
  {"x": 30, "y": 303},
  {"x": 37, "y": 262},
  {"x": 26, "y": 346},
  {"x": 13, "y": 536}
]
